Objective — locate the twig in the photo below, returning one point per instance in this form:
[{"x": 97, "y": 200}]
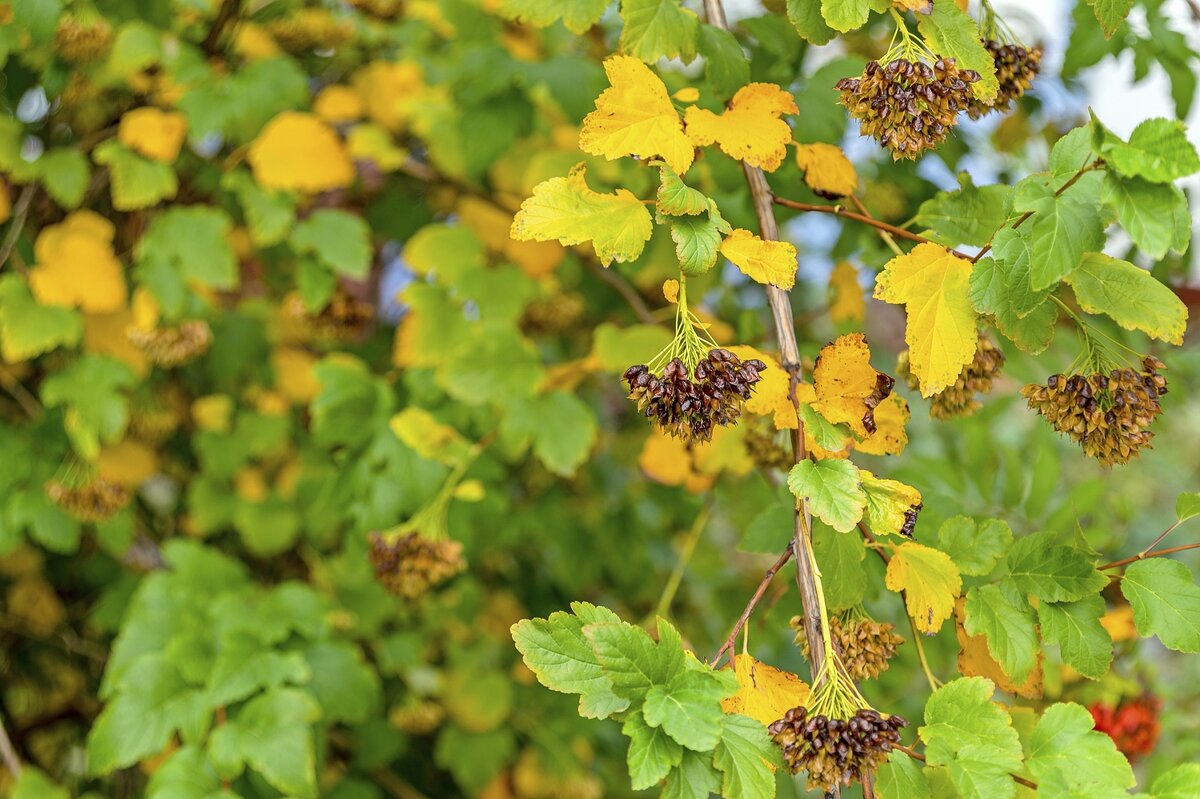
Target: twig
[
  {"x": 731, "y": 640},
  {"x": 1097, "y": 164},
  {"x": 22, "y": 395},
  {"x": 883, "y": 234},
  {"x": 626, "y": 291},
  {"x": 915, "y": 755},
  {"x": 395, "y": 785},
  {"x": 20, "y": 211},
  {"x": 884, "y": 227},
  {"x": 1116, "y": 564},
  {"x": 8, "y": 754},
  {"x": 229, "y": 9},
  {"x": 685, "y": 556}
]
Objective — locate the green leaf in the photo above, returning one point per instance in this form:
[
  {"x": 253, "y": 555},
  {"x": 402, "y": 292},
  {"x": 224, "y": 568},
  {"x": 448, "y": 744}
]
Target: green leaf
[
  {"x": 344, "y": 685},
  {"x": 91, "y": 388},
  {"x": 474, "y": 760},
  {"x": 65, "y": 173},
  {"x": 974, "y": 549},
  {"x": 556, "y": 651},
  {"x": 1011, "y": 637},
  {"x": 495, "y": 365},
  {"x": 631, "y": 661},
  {"x": 193, "y": 242},
  {"x": 46, "y": 523},
  {"x": 769, "y": 531},
  {"x": 902, "y": 777},
  {"x": 1014, "y": 249},
  {"x": 1064, "y": 227},
  {"x": 28, "y": 329},
  {"x": 1158, "y": 150},
  {"x": 350, "y": 396},
  {"x": 806, "y": 16},
  {"x": 657, "y": 29},
  {"x": 136, "y": 182},
  {"x": 269, "y": 214},
  {"x": 694, "y": 778},
  {"x": 973, "y": 738},
  {"x": 271, "y": 734},
  {"x": 826, "y": 434},
  {"x": 840, "y": 557},
  {"x": 566, "y": 433},
  {"x": 1053, "y": 572},
  {"x": 1082, "y": 640},
  {"x": 1110, "y": 14},
  {"x": 726, "y": 67},
  {"x": 576, "y": 15},
  {"x": 243, "y": 667},
  {"x": 1181, "y": 782},
  {"x": 676, "y": 198},
  {"x": 1064, "y": 744},
  {"x": 652, "y": 753},
  {"x": 1131, "y": 296},
  {"x": 34, "y": 784},
  {"x": 1146, "y": 210},
  {"x": 845, "y": 15},
  {"x": 688, "y": 708},
  {"x": 745, "y": 756},
  {"x": 697, "y": 242},
  {"x": 951, "y": 33},
  {"x": 971, "y": 215},
  {"x": 340, "y": 240},
  {"x": 615, "y": 348},
  {"x": 186, "y": 774},
  {"x": 990, "y": 295},
  {"x": 1187, "y": 506},
  {"x": 833, "y": 491},
  {"x": 1166, "y": 602},
  {"x": 136, "y": 46}
]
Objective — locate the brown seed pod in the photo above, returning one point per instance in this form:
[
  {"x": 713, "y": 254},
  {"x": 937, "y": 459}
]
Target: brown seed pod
[
  {"x": 409, "y": 565},
  {"x": 864, "y": 645},
  {"x": 82, "y": 41},
  {"x": 344, "y": 318},
  {"x": 1016, "y": 67},
  {"x": 169, "y": 347},
  {"x": 976, "y": 378},
  {"x": 93, "y": 500},
  {"x": 835, "y": 751}
]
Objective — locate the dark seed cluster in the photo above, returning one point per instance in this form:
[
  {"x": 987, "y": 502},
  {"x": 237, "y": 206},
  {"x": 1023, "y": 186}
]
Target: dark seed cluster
[
  {"x": 910, "y": 520},
  {"x": 883, "y": 389},
  {"x": 690, "y": 406},
  {"x": 169, "y": 347},
  {"x": 419, "y": 717},
  {"x": 766, "y": 448},
  {"x": 1107, "y": 415},
  {"x": 553, "y": 314},
  {"x": 836, "y": 751},
  {"x": 82, "y": 41},
  {"x": 908, "y": 106},
  {"x": 865, "y": 645},
  {"x": 409, "y": 565},
  {"x": 1016, "y": 67},
  {"x": 344, "y": 318},
  {"x": 976, "y": 378},
  {"x": 93, "y": 500}
]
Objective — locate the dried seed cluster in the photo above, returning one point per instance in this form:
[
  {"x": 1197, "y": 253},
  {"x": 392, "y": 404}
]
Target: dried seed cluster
[
  {"x": 766, "y": 449},
  {"x": 553, "y": 314},
  {"x": 865, "y": 645},
  {"x": 1016, "y": 67},
  {"x": 172, "y": 346},
  {"x": 80, "y": 41},
  {"x": 691, "y": 408},
  {"x": 93, "y": 500},
  {"x": 309, "y": 29},
  {"x": 409, "y": 565},
  {"x": 836, "y": 751},
  {"x": 908, "y": 106},
  {"x": 1133, "y": 725},
  {"x": 344, "y": 318},
  {"x": 1107, "y": 415},
  {"x": 976, "y": 377},
  {"x": 417, "y": 718}
]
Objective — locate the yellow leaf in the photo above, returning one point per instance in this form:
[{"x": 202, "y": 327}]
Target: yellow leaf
[
  {"x": 846, "y": 301},
  {"x": 773, "y": 382},
  {"x": 769, "y": 262},
  {"x": 144, "y": 310},
  {"x": 665, "y": 459},
  {"x": 252, "y": 42},
  {"x": 425, "y": 435},
  {"x": 765, "y": 693},
  {"x": 299, "y": 152},
  {"x": 389, "y": 91},
  {"x": 250, "y": 484},
  {"x": 128, "y": 462},
  {"x": 5, "y": 203},
  {"x": 671, "y": 291},
  {"x": 338, "y": 103},
  {"x": 213, "y": 412},
  {"x": 76, "y": 265},
  {"x": 921, "y": 6},
  {"x": 933, "y": 285},
  {"x": 974, "y": 660},
  {"x": 750, "y": 130},
  {"x": 370, "y": 142},
  {"x": 888, "y": 502},
  {"x": 827, "y": 170},
  {"x": 567, "y": 211},
  {"x": 931, "y": 583},
  {"x": 688, "y": 94},
  {"x": 1118, "y": 623},
  {"x": 106, "y": 334},
  {"x": 294, "y": 377},
  {"x": 470, "y": 491},
  {"x": 725, "y": 452},
  {"x": 847, "y": 387},
  {"x": 634, "y": 116},
  {"x": 890, "y": 436},
  {"x": 32, "y": 604},
  {"x": 154, "y": 133}
]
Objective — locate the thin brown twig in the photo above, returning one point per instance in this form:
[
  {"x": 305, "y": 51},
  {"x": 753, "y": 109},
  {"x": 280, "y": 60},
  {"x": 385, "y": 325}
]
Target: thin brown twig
[
  {"x": 883, "y": 234},
  {"x": 884, "y": 227},
  {"x": 627, "y": 292},
  {"x": 731, "y": 640},
  {"x": 228, "y": 11},
  {"x": 396, "y": 786},
  {"x": 20, "y": 212},
  {"x": 1097, "y": 164},
  {"x": 915, "y": 755},
  {"x": 8, "y": 754},
  {"x": 1116, "y": 564},
  {"x": 18, "y": 392}
]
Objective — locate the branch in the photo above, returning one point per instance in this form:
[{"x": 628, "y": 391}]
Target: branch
[
  {"x": 228, "y": 11},
  {"x": 623, "y": 288},
  {"x": 758, "y": 593},
  {"x": 18, "y": 223},
  {"x": 8, "y": 754},
  {"x": 1116, "y": 564},
  {"x": 1097, "y": 164},
  {"x": 1017, "y": 778},
  {"x": 883, "y": 227}
]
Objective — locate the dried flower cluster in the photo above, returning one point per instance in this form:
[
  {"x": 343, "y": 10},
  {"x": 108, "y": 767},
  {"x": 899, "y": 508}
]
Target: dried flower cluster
[
  {"x": 344, "y": 318},
  {"x": 169, "y": 347},
  {"x": 1016, "y": 67},
  {"x": 410, "y": 564},
  {"x": 690, "y": 408},
  {"x": 419, "y": 717},
  {"x": 767, "y": 449},
  {"x": 864, "y": 645},
  {"x": 836, "y": 751},
  {"x": 1133, "y": 725},
  {"x": 82, "y": 41},
  {"x": 552, "y": 314},
  {"x": 908, "y": 106},
  {"x": 92, "y": 500},
  {"x": 1107, "y": 415},
  {"x": 976, "y": 378}
]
